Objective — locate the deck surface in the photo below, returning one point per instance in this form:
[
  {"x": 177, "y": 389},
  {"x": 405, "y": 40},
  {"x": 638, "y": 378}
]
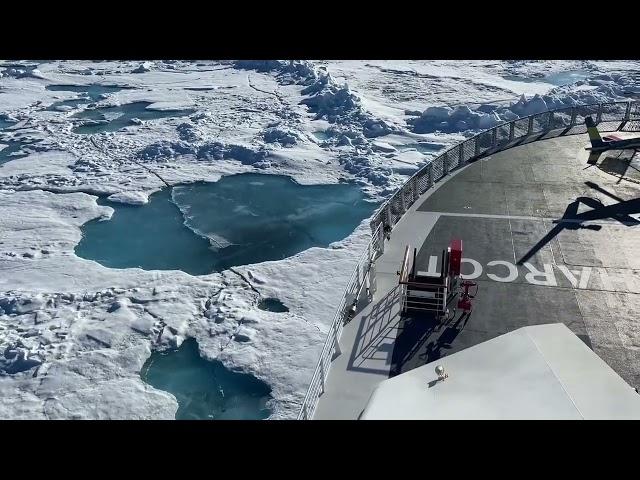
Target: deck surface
[{"x": 548, "y": 237}]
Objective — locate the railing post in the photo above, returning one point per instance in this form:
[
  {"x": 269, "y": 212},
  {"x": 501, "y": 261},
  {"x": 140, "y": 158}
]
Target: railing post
[
  {"x": 381, "y": 240},
  {"x": 322, "y": 374},
  {"x": 371, "y": 275},
  {"x": 461, "y": 155},
  {"x": 445, "y": 165},
  {"x": 336, "y": 343},
  {"x": 476, "y": 151},
  {"x": 494, "y": 137},
  {"x": 430, "y": 173},
  {"x": 512, "y": 129},
  {"x": 573, "y": 116},
  {"x": 627, "y": 113},
  {"x": 599, "y": 114},
  {"x": 403, "y": 205},
  {"x": 388, "y": 213},
  {"x": 416, "y": 190},
  {"x": 305, "y": 411},
  {"x": 530, "y": 127}
]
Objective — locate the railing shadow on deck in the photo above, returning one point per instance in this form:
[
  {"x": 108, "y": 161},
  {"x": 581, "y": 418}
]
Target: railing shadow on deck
[
  {"x": 369, "y": 345},
  {"x": 417, "y": 331},
  {"x": 376, "y": 351}
]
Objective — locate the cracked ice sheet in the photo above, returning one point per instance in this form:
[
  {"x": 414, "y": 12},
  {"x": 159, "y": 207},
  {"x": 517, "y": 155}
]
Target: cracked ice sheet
[
  {"x": 282, "y": 348},
  {"x": 233, "y": 113}
]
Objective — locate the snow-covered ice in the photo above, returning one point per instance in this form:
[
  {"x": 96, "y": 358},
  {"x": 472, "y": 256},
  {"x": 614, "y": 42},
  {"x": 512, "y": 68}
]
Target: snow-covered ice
[{"x": 74, "y": 335}]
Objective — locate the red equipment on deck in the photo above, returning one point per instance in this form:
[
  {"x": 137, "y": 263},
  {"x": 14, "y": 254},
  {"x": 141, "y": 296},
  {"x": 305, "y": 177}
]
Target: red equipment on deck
[
  {"x": 456, "y": 255},
  {"x": 464, "y": 303},
  {"x": 429, "y": 291}
]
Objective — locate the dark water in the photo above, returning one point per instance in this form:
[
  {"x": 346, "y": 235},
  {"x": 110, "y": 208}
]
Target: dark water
[
  {"x": 272, "y": 305},
  {"x": 152, "y": 237},
  {"x": 9, "y": 148},
  {"x": 206, "y": 390},
  {"x": 92, "y": 93},
  {"x": 241, "y": 219},
  {"x": 321, "y": 135},
  {"x": 113, "y": 118},
  {"x": 565, "y": 78},
  {"x": 4, "y": 123},
  {"x": 10, "y": 152},
  {"x": 12, "y": 149}
]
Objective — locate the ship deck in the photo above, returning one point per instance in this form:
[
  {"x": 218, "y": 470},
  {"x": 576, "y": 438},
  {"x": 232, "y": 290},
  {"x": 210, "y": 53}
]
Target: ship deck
[{"x": 547, "y": 236}]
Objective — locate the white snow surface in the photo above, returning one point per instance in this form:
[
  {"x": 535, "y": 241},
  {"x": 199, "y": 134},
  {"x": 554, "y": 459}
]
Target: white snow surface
[
  {"x": 74, "y": 334},
  {"x": 132, "y": 198}
]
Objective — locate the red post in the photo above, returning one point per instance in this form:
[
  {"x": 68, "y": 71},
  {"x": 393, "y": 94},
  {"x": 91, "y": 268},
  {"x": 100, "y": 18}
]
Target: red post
[{"x": 455, "y": 259}]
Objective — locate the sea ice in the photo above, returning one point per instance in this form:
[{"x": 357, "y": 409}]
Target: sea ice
[{"x": 75, "y": 335}]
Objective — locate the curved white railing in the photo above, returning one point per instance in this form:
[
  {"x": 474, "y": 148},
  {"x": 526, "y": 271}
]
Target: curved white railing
[
  {"x": 349, "y": 299},
  {"x": 553, "y": 123}
]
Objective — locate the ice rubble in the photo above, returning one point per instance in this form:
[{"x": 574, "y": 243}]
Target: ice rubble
[
  {"x": 283, "y": 136},
  {"x": 298, "y": 71},
  {"x": 325, "y": 97},
  {"x": 21, "y": 71},
  {"x": 206, "y": 151},
  {"x": 603, "y": 88},
  {"x": 143, "y": 67}
]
